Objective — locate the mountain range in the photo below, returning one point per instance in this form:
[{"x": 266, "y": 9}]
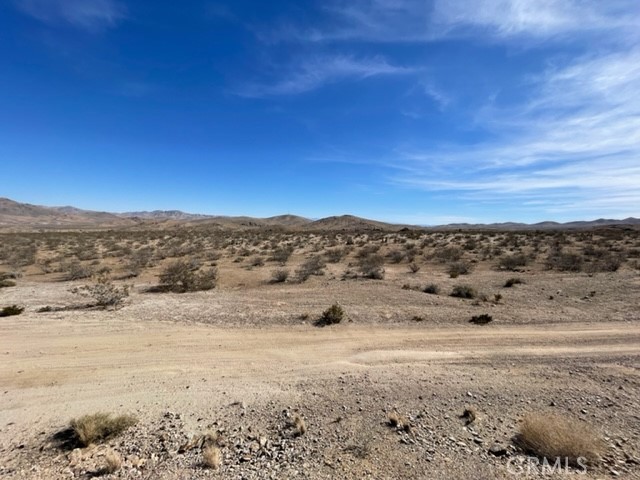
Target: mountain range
[{"x": 24, "y": 216}]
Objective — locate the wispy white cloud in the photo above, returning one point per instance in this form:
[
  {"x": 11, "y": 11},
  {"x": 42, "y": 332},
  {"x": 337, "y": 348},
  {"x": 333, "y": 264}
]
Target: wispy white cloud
[
  {"x": 574, "y": 144},
  {"x": 311, "y": 74},
  {"x": 91, "y": 15},
  {"x": 538, "y": 18},
  {"x": 392, "y": 21}
]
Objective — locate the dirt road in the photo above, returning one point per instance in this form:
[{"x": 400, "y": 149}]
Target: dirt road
[{"x": 49, "y": 368}]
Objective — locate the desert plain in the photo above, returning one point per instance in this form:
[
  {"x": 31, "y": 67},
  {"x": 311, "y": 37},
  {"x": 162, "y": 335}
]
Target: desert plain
[{"x": 338, "y": 353}]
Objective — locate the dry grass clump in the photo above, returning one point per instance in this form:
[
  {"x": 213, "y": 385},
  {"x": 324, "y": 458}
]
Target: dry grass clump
[
  {"x": 399, "y": 422},
  {"x": 299, "y": 425},
  {"x": 211, "y": 457},
  {"x": 99, "y": 427},
  {"x": 113, "y": 462},
  {"x": 552, "y": 436}
]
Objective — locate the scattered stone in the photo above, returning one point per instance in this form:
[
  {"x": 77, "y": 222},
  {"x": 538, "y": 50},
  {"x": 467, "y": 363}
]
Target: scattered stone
[{"x": 497, "y": 450}]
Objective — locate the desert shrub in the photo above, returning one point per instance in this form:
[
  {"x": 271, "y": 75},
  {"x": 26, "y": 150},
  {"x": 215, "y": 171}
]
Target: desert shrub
[
  {"x": 9, "y": 276},
  {"x": 367, "y": 250},
  {"x": 513, "y": 281},
  {"x": 456, "y": 269},
  {"x": 552, "y": 436},
  {"x": 447, "y": 254},
  {"x": 463, "y": 291},
  {"x": 11, "y": 310},
  {"x": 482, "y": 319},
  {"x": 432, "y": 289},
  {"x": 332, "y": 315},
  {"x": 139, "y": 260},
  {"x": 98, "y": 427},
  {"x": 414, "y": 267},
  {"x": 77, "y": 271},
  {"x": 396, "y": 256},
  {"x": 281, "y": 255},
  {"x": 104, "y": 293},
  {"x": 280, "y": 275},
  {"x": 372, "y": 266},
  {"x": 311, "y": 266},
  {"x": 183, "y": 276},
  {"x": 606, "y": 262},
  {"x": 335, "y": 255},
  {"x": 257, "y": 262},
  {"x": 564, "y": 262},
  {"x": 22, "y": 256},
  {"x": 512, "y": 262}
]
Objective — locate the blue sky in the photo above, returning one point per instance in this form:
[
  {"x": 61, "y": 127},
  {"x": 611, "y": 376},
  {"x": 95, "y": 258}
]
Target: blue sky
[{"x": 418, "y": 111}]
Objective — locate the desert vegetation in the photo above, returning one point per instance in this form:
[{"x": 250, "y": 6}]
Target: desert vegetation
[
  {"x": 204, "y": 329},
  {"x": 98, "y": 427},
  {"x": 554, "y": 436}
]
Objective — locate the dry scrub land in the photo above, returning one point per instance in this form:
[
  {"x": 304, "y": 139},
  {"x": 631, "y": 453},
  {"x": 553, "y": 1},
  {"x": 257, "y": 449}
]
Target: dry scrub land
[{"x": 214, "y": 344}]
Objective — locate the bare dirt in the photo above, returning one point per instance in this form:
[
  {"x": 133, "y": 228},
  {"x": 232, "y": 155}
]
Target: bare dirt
[{"x": 169, "y": 360}]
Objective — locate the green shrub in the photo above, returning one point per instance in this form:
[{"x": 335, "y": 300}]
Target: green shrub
[
  {"x": 182, "y": 276},
  {"x": 332, "y": 315}
]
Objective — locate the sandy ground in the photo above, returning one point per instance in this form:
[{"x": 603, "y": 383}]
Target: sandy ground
[{"x": 191, "y": 359}]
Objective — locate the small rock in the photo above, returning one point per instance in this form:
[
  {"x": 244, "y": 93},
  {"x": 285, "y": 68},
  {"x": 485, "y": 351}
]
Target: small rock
[{"x": 497, "y": 450}]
